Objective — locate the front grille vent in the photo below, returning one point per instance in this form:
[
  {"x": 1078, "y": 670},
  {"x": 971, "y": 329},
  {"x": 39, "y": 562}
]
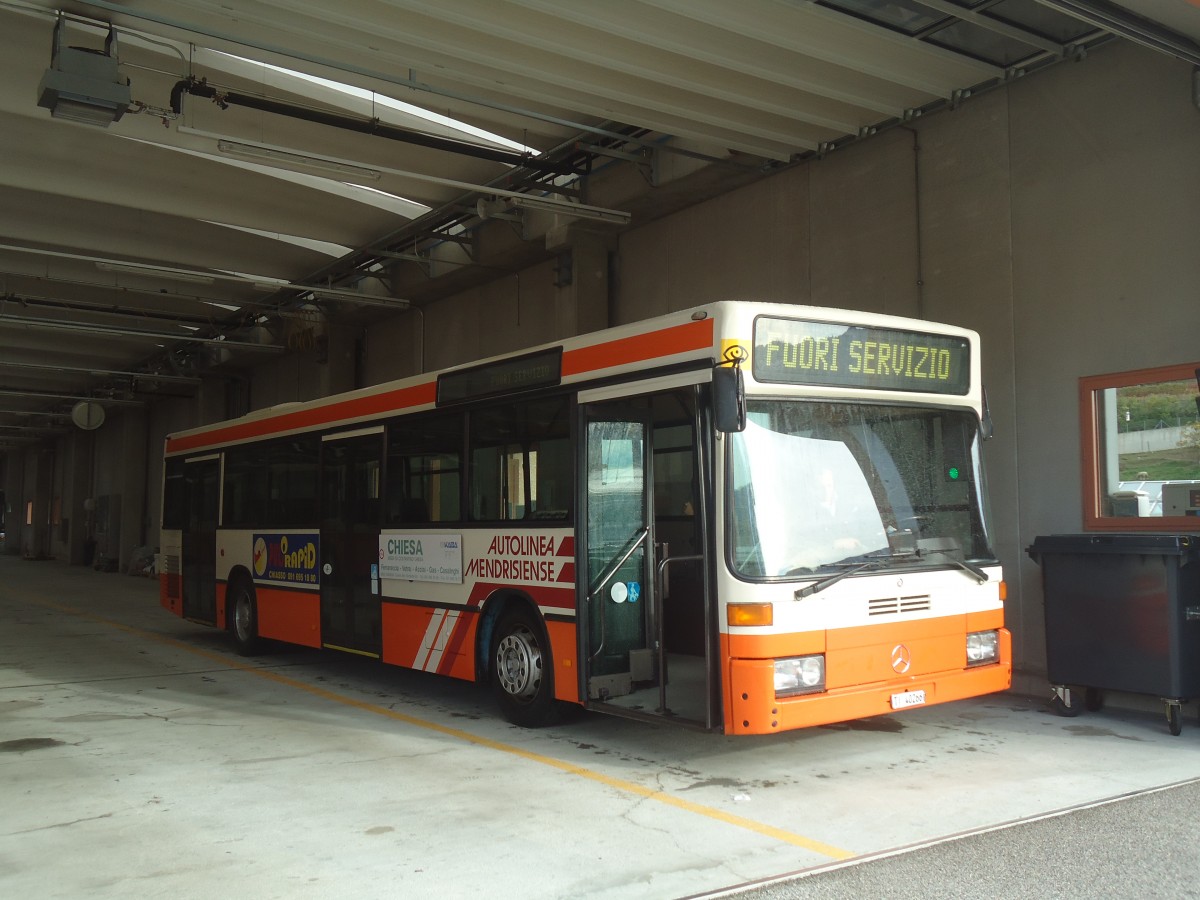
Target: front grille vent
[{"x": 894, "y": 606}]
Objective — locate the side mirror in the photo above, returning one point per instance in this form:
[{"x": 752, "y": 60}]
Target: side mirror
[
  {"x": 729, "y": 399},
  {"x": 986, "y": 428}
]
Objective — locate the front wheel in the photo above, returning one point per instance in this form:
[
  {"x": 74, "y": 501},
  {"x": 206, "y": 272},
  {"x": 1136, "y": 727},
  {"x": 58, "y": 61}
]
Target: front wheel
[
  {"x": 522, "y": 671},
  {"x": 244, "y": 619}
]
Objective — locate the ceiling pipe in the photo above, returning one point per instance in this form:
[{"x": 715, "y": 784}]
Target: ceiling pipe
[
  {"x": 85, "y": 370},
  {"x": 90, "y": 328},
  {"x": 51, "y": 395},
  {"x": 201, "y": 88},
  {"x": 34, "y": 301},
  {"x": 34, "y": 412},
  {"x": 259, "y": 282}
]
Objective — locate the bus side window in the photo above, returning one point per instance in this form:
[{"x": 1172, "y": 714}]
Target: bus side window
[
  {"x": 424, "y": 470},
  {"x": 245, "y": 501},
  {"x": 174, "y": 511},
  {"x": 521, "y": 461},
  {"x": 292, "y": 483}
]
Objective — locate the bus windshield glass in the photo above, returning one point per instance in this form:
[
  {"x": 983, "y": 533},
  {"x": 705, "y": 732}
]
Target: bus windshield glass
[{"x": 818, "y": 486}]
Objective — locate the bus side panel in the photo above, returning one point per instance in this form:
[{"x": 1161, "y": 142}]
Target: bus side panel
[
  {"x": 430, "y": 639},
  {"x": 752, "y": 708},
  {"x": 563, "y": 645},
  {"x": 292, "y": 616}
]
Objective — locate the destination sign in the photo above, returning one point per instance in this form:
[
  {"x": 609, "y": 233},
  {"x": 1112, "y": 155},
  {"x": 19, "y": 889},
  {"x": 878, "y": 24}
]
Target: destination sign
[
  {"x": 798, "y": 351},
  {"x": 542, "y": 369}
]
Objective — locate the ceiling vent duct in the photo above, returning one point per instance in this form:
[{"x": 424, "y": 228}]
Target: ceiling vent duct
[{"x": 83, "y": 85}]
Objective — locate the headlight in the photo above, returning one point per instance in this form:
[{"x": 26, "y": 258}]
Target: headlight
[
  {"x": 799, "y": 675},
  {"x": 983, "y": 647}
]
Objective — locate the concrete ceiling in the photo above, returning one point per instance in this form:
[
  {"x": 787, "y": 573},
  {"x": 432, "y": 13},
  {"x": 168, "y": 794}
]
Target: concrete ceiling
[{"x": 498, "y": 100}]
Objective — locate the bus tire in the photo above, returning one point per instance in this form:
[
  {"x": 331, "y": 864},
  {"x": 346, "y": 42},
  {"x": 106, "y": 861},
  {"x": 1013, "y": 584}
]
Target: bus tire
[
  {"x": 243, "y": 618},
  {"x": 522, "y": 672}
]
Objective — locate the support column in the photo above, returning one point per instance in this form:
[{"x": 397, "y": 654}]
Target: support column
[
  {"x": 14, "y": 501},
  {"x": 36, "y": 493},
  {"x": 132, "y": 485},
  {"x": 78, "y": 489}
]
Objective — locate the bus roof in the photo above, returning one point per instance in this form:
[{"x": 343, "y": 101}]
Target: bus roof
[{"x": 688, "y": 336}]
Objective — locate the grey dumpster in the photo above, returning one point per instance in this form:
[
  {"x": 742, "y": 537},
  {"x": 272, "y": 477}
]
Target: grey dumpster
[{"x": 1122, "y": 614}]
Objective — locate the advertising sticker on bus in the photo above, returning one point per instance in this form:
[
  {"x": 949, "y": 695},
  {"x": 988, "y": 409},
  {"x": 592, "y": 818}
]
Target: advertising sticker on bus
[
  {"x": 421, "y": 557},
  {"x": 286, "y": 558}
]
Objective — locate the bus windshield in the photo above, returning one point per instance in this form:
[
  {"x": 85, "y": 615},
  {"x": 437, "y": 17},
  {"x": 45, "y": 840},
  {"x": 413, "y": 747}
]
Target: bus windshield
[{"x": 819, "y": 486}]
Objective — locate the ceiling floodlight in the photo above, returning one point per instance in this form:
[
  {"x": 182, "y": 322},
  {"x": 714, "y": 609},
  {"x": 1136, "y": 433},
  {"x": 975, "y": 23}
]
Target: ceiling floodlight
[
  {"x": 84, "y": 85},
  {"x": 274, "y": 157}
]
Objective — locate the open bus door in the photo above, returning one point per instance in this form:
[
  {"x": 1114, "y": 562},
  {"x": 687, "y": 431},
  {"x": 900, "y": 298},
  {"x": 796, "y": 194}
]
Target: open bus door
[
  {"x": 646, "y": 598},
  {"x": 202, "y": 503},
  {"x": 351, "y": 467}
]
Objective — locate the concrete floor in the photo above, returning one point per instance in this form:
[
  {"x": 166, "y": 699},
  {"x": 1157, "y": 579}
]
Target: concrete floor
[{"x": 139, "y": 757}]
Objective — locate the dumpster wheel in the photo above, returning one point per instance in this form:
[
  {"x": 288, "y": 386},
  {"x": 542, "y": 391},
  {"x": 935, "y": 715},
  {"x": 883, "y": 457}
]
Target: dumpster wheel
[{"x": 1071, "y": 701}]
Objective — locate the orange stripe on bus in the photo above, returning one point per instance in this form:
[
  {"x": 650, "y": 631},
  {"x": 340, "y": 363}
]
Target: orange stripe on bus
[
  {"x": 639, "y": 347},
  {"x": 328, "y": 414}
]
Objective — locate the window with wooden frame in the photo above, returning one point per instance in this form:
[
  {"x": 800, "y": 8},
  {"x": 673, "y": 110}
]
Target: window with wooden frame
[{"x": 1140, "y": 434}]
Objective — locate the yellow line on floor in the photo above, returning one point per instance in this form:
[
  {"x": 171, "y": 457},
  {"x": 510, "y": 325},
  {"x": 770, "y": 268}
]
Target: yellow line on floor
[{"x": 619, "y": 784}]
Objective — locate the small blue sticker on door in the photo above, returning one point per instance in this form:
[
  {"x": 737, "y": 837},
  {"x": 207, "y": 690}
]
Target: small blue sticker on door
[{"x": 635, "y": 591}]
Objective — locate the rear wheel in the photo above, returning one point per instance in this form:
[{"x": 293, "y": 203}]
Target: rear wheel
[
  {"x": 521, "y": 670},
  {"x": 244, "y": 619}
]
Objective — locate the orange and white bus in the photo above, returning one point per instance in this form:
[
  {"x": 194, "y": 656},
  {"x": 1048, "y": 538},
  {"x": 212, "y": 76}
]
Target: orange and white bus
[{"x": 744, "y": 517}]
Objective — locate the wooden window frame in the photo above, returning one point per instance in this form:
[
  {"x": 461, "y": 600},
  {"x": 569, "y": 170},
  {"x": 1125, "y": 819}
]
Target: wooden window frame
[{"x": 1089, "y": 436}]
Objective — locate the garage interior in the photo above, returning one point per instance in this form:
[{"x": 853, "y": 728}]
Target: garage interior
[{"x": 262, "y": 203}]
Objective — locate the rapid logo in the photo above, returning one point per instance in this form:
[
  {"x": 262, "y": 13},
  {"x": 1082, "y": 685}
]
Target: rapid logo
[{"x": 286, "y": 558}]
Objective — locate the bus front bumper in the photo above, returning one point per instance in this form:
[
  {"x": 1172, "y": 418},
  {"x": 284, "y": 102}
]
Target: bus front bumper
[{"x": 753, "y": 708}]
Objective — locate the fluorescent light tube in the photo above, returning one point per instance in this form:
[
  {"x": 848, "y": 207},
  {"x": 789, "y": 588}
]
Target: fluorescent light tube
[
  {"x": 272, "y": 156},
  {"x": 155, "y": 272}
]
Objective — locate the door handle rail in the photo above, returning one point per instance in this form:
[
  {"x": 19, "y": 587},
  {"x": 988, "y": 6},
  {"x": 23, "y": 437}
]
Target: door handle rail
[{"x": 639, "y": 537}]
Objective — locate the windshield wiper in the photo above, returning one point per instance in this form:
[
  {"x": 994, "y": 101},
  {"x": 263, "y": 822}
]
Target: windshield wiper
[
  {"x": 980, "y": 575},
  {"x": 830, "y": 581}
]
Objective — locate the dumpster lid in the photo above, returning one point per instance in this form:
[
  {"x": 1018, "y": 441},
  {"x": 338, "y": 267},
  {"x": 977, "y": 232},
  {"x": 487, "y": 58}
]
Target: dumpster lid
[{"x": 1140, "y": 542}]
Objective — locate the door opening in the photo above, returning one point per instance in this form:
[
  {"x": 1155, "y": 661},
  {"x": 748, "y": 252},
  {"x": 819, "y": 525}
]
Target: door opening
[
  {"x": 350, "y": 509},
  {"x": 647, "y": 602}
]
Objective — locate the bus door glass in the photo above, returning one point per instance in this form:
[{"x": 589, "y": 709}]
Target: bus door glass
[
  {"x": 349, "y": 555},
  {"x": 202, "y": 495},
  {"x": 619, "y": 538},
  {"x": 647, "y": 600}
]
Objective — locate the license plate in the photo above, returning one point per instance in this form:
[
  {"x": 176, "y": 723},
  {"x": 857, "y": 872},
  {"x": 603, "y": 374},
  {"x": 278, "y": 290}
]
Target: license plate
[{"x": 908, "y": 698}]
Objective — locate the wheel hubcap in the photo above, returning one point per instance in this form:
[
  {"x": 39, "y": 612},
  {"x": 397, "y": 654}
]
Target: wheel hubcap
[
  {"x": 519, "y": 664},
  {"x": 241, "y": 616}
]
